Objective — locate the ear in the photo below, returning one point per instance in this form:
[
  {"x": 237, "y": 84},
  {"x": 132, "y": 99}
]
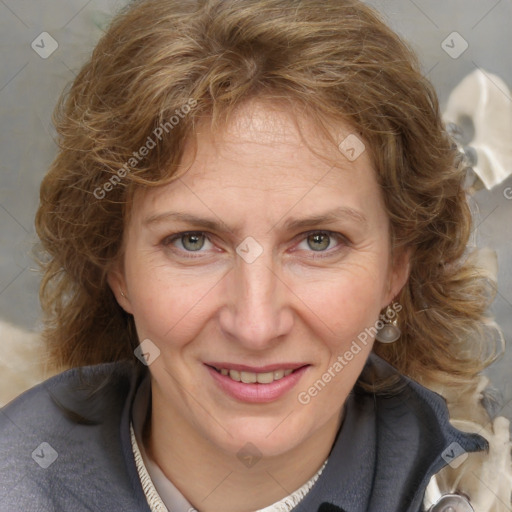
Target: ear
[
  {"x": 117, "y": 282},
  {"x": 400, "y": 267}
]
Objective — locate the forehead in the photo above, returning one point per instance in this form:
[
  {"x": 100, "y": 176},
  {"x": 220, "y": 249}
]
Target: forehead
[
  {"x": 272, "y": 130},
  {"x": 269, "y": 148}
]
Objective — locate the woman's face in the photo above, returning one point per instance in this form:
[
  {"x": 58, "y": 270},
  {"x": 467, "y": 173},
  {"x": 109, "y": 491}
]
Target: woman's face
[{"x": 286, "y": 262}]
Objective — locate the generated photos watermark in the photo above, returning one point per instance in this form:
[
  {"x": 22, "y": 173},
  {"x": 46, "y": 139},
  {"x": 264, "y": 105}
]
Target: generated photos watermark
[
  {"x": 454, "y": 455},
  {"x": 249, "y": 455},
  {"x": 352, "y": 147},
  {"x": 151, "y": 142},
  {"x": 45, "y": 455},
  {"x": 147, "y": 352},
  {"x": 304, "y": 397},
  {"x": 454, "y": 45},
  {"x": 249, "y": 250},
  {"x": 44, "y": 45}
]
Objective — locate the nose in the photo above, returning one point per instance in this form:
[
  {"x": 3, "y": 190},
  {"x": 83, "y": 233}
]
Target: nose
[{"x": 257, "y": 311}]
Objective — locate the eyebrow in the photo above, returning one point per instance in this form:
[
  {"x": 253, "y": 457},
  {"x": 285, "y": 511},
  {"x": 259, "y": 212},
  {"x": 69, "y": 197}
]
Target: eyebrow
[{"x": 330, "y": 217}]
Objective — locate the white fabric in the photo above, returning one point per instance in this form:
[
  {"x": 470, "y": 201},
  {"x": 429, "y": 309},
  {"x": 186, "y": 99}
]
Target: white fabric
[
  {"x": 486, "y": 478},
  {"x": 485, "y": 99},
  {"x": 154, "y": 501}
]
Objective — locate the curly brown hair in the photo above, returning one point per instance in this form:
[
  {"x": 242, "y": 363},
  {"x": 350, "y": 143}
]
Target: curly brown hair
[{"x": 330, "y": 60}]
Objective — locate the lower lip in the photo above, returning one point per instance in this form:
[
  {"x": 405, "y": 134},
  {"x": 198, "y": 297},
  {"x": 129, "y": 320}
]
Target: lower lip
[{"x": 256, "y": 393}]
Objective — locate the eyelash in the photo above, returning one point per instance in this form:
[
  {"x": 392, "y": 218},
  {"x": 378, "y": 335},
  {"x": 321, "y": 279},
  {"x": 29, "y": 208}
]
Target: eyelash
[{"x": 343, "y": 243}]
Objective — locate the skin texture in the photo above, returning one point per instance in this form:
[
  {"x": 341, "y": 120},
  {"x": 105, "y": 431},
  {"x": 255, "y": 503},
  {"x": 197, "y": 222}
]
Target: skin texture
[{"x": 289, "y": 305}]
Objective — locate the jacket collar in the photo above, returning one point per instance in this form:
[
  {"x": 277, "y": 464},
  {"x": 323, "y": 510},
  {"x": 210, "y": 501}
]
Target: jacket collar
[{"x": 388, "y": 448}]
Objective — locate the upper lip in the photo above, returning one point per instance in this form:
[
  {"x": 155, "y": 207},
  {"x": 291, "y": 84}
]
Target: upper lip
[{"x": 256, "y": 369}]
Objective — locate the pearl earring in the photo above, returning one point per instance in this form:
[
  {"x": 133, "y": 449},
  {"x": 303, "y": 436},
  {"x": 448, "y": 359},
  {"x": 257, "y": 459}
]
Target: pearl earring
[{"x": 389, "y": 332}]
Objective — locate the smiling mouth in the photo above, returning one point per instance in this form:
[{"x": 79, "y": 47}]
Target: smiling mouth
[{"x": 254, "y": 377}]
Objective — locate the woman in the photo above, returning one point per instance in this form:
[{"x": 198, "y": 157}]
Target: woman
[{"x": 247, "y": 198}]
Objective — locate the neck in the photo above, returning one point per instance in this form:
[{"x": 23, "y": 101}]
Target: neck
[{"x": 212, "y": 479}]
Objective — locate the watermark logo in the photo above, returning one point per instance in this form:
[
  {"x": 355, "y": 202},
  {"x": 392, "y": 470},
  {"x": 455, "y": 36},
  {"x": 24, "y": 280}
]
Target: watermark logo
[
  {"x": 454, "y": 455},
  {"x": 249, "y": 455},
  {"x": 454, "y": 45},
  {"x": 508, "y": 193},
  {"x": 151, "y": 143},
  {"x": 45, "y": 455},
  {"x": 343, "y": 360},
  {"x": 147, "y": 352},
  {"x": 44, "y": 45},
  {"x": 352, "y": 147},
  {"x": 249, "y": 250}
]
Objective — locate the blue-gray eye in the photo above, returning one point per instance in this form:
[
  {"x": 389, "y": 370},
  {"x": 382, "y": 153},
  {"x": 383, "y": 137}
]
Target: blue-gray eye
[
  {"x": 193, "y": 241},
  {"x": 318, "y": 241}
]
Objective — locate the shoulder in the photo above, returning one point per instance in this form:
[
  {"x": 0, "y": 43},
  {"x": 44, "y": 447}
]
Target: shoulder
[
  {"x": 415, "y": 437},
  {"x": 80, "y": 394},
  {"x": 59, "y": 438}
]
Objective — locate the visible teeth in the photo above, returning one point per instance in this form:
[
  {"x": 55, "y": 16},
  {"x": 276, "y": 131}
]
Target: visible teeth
[
  {"x": 248, "y": 377},
  {"x": 252, "y": 377},
  {"x": 278, "y": 374},
  {"x": 267, "y": 378},
  {"x": 235, "y": 375}
]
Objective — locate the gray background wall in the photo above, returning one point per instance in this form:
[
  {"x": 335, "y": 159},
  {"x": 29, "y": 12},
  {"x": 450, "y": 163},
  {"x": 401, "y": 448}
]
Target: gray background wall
[{"x": 30, "y": 85}]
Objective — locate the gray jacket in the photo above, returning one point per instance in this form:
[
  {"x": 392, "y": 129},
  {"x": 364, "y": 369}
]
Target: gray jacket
[{"x": 65, "y": 446}]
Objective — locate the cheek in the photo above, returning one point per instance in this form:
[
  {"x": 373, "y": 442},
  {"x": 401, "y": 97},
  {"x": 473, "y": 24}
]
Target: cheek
[
  {"x": 172, "y": 305},
  {"x": 345, "y": 302},
  {"x": 167, "y": 304}
]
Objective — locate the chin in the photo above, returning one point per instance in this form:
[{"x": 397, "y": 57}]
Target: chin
[{"x": 267, "y": 437}]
